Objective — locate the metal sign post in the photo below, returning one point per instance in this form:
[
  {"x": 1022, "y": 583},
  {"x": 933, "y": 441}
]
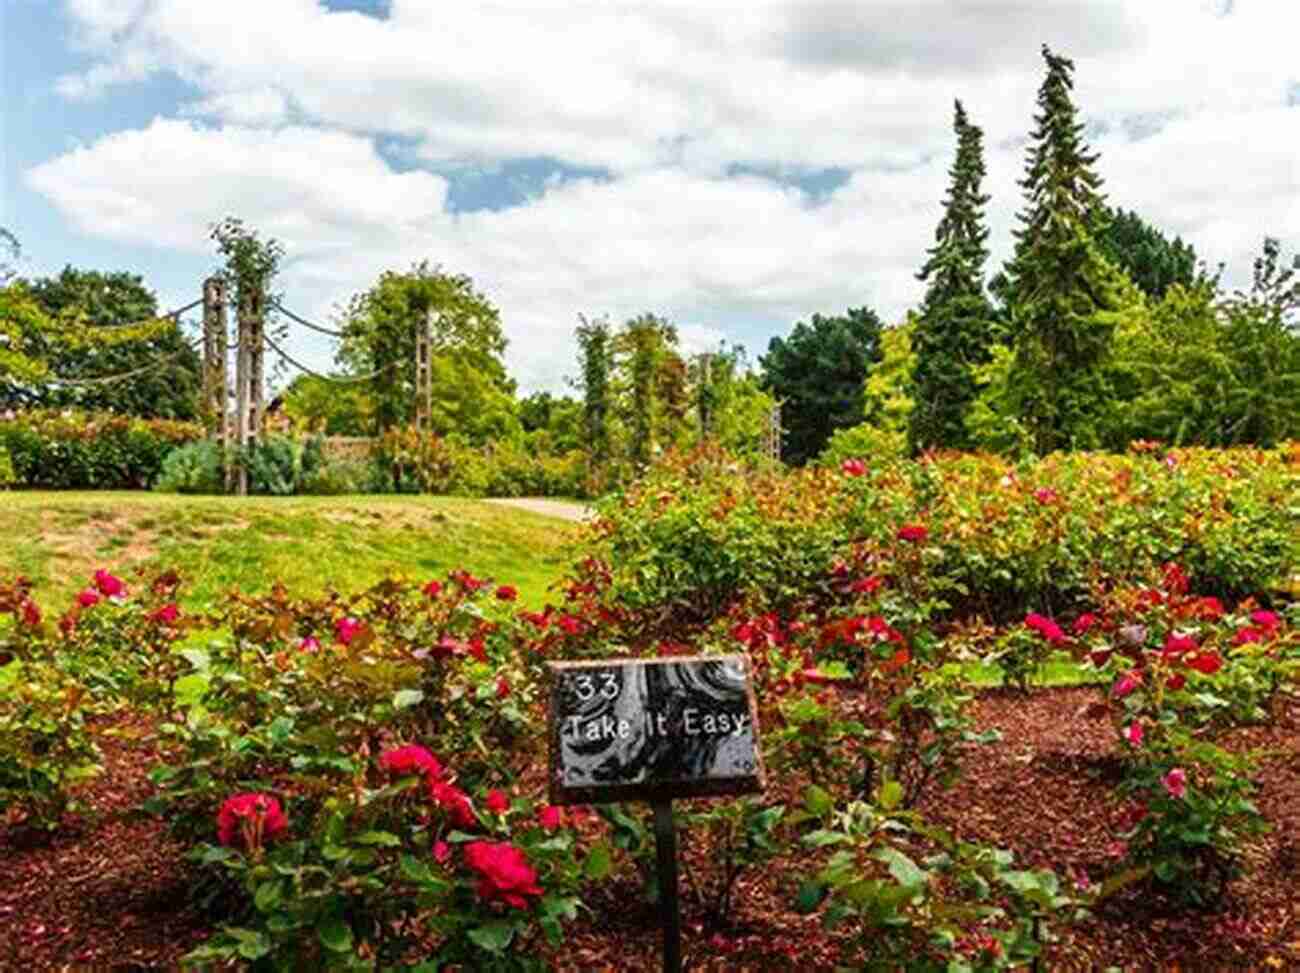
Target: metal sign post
[{"x": 654, "y": 730}]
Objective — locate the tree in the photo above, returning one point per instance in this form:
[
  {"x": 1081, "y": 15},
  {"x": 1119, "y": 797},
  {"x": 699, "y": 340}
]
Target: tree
[
  {"x": 558, "y": 417},
  {"x": 956, "y": 323},
  {"x": 818, "y": 373},
  {"x": 595, "y": 354},
  {"x": 653, "y": 380},
  {"x": 329, "y": 407},
  {"x": 888, "y": 403},
  {"x": 1150, "y": 259},
  {"x": 10, "y": 252},
  {"x": 379, "y": 331},
  {"x": 1061, "y": 292},
  {"x": 93, "y": 305}
]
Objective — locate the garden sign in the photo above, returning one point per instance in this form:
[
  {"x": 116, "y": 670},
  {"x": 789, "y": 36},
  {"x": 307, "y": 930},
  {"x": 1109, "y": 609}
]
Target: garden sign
[{"x": 653, "y": 730}]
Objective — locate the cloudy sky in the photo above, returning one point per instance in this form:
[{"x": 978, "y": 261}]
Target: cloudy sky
[{"x": 732, "y": 166}]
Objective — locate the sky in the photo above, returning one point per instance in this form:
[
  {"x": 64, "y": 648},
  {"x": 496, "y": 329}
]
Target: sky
[{"x": 732, "y": 167}]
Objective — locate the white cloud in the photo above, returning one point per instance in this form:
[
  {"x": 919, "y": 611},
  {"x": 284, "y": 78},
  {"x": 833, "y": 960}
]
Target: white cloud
[{"x": 666, "y": 97}]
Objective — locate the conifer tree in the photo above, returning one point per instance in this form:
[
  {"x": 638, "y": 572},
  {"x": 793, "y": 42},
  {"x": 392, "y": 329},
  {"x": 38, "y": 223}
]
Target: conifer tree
[
  {"x": 1061, "y": 292},
  {"x": 956, "y": 320}
]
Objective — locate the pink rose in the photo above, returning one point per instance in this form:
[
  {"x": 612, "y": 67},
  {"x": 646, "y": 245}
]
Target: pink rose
[
  {"x": 505, "y": 873},
  {"x": 309, "y": 644},
  {"x": 1084, "y": 623},
  {"x": 165, "y": 615},
  {"x": 88, "y": 598},
  {"x": 346, "y": 629},
  {"x": 497, "y": 802},
  {"x": 441, "y": 851},
  {"x": 1126, "y": 684},
  {"x": 1134, "y": 733},
  {"x": 1266, "y": 620},
  {"x": 1175, "y": 783},
  {"x": 1045, "y": 627},
  {"x": 108, "y": 585},
  {"x": 411, "y": 759}
]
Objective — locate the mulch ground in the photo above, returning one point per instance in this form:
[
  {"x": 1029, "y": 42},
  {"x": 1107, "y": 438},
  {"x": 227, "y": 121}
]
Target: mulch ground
[{"x": 113, "y": 893}]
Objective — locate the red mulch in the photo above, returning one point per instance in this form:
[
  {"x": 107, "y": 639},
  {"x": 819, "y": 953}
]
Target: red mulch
[{"x": 113, "y": 893}]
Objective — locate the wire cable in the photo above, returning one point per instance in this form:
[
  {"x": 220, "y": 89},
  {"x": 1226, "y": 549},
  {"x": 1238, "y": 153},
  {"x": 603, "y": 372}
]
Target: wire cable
[
  {"x": 174, "y": 315},
  {"x": 108, "y": 379},
  {"x": 350, "y": 380},
  {"x": 304, "y": 322}
]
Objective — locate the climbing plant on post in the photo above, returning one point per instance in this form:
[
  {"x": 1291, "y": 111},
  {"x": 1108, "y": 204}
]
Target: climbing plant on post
[
  {"x": 251, "y": 263},
  {"x": 594, "y": 348}
]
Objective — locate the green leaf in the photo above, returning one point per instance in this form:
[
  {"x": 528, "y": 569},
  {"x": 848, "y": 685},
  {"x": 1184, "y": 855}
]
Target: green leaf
[
  {"x": 598, "y": 862},
  {"x": 905, "y": 871},
  {"x": 404, "y": 698},
  {"x": 817, "y": 800},
  {"x": 810, "y": 896},
  {"x": 493, "y": 936},
  {"x": 891, "y": 795},
  {"x": 269, "y": 894},
  {"x": 198, "y": 658},
  {"x": 384, "y": 838},
  {"x": 416, "y": 870},
  {"x": 335, "y": 935}
]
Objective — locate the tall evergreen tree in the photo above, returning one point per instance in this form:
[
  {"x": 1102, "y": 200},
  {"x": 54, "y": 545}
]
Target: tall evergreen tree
[
  {"x": 1152, "y": 261},
  {"x": 595, "y": 351},
  {"x": 1061, "y": 292},
  {"x": 956, "y": 321}
]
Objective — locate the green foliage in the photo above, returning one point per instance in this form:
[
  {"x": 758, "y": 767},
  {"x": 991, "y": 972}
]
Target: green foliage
[
  {"x": 961, "y": 906},
  {"x": 595, "y": 358},
  {"x": 955, "y": 326},
  {"x": 652, "y": 396},
  {"x": 193, "y": 468},
  {"x": 1150, "y": 259},
  {"x": 7, "y": 475},
  {"x": 1061, "y": 292},
  {"x": 88, "y": 300},
  {"x": 280, "y": 465},
  {"x": 405, "y": 462},
  {"x": 560, "y": 419},
  {"x": 317, "y": 405},
  {"x": 69, "y": 450},
  {"x": 472, "y": 392},
  {"x": 1009, "y": 538},
  {"x": 818, "y": 373}
]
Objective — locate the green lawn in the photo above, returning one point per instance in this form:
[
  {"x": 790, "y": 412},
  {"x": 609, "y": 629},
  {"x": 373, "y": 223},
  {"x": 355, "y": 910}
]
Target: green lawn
[{"x": 58, "y": 540}]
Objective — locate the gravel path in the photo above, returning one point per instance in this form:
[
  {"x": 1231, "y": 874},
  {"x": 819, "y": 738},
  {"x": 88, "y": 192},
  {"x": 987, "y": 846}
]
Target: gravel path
[{"x": 561, "y": 509}]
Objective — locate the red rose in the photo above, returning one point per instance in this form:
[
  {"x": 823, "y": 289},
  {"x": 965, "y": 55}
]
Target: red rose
[
  {"x": 915, "y": 533},
  {"x": 88, "y": 598},
  {"x": 497, "y": 802},
  {"x": 249, "y": 820},
  {"x": 165, "y": 615},
  {"x": 31, "y": 613},
  {"x": 507, "y": 593},
  {"x": 1176, "y": 645},
  {"x": 1127, "y": 684},
  {"x": 433, "y": 588},
  {"x": 1206, "y": 662},
  {"x": 1045, "y": 495},
  {"x": 505, "y": 875},
  {"x": 551, "y": 817},
  {"x": 866, "y": 586},
  {"x": 1083, "y": 623},
  {"x": 570, "y": 625},
  {"x": 503, "y": 688},
  {"x": 454, "y": 801},
  {"x": 1210, "y": 609},
  {"x": 410, "y": 759},
  {"x": 108, "y": 585},
  {"x": 853, "y": 467},
  {"x": 441, "y": 852},
  {"x": 1176, "y": 681},
  {"x": 1248, "y": 635},
  {"x": 1045, "y": 627}
]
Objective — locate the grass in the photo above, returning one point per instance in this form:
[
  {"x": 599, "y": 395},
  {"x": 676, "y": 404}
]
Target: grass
[{"x": 58, "y": 539}]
